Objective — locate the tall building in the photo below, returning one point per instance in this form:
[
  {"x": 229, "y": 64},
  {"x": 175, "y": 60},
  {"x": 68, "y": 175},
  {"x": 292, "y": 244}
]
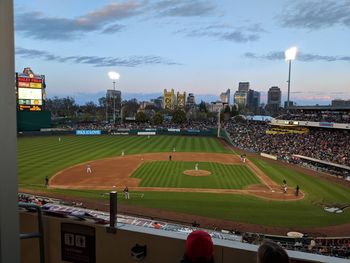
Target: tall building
[
  {"x": 217, "y": 106},
  {"x": 117, "y": 95},
  {"x": 340, "y": 103},
  {"x": 190, "y": 99},
  {"x": 225, "y": 97},
  {"x": 181, "y": 100},
  {"x": 114, "y": 93},
  {"x": 168, "y": 99},
  {"x": 274, "y": 96},
  {"x": 158, "y": 102},
  {"x": 253, "y": 100},
  {"x": 243, "y": 86},
  {"x": 190, "y": 102},
  {"x": 240, "y": 99}
]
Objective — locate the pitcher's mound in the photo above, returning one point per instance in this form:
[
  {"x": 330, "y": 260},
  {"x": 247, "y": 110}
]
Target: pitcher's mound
[{"x": 197, "y": 173}]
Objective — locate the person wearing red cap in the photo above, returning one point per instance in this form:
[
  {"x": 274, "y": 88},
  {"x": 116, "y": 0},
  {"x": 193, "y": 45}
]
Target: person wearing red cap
[{"x": 199, "y": 248}]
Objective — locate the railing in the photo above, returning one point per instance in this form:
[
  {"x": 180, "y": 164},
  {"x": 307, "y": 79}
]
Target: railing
[{"x": 40, "y": 233}]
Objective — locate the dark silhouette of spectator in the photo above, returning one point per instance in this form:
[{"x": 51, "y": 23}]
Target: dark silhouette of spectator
[
  {"x": 270, "y": 252},
  {"x": 199, "y": 248},
  {"x": 195, "y": 224}
]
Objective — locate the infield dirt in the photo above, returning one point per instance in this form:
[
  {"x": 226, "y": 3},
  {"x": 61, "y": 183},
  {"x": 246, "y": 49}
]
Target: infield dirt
[{"x": 114, "y": 173}]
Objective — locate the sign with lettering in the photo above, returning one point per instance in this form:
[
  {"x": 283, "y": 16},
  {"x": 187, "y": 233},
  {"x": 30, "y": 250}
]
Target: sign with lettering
[
  {"x": 88, "y": 132},
  {"x": 78, "y": 243}
]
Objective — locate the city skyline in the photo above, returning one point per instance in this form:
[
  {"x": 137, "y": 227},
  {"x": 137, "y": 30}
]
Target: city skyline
[{"x": 202, "y": 47}]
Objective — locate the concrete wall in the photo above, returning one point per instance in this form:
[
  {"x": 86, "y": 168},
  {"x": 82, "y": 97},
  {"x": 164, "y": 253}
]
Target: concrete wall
[{"x": 162, "y": 246}]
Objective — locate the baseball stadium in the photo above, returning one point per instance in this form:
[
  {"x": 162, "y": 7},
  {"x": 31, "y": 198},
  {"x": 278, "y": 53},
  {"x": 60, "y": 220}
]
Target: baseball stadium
[
  {"x": 284, "y": 180},
  {"x": 190, "y": 177},
  {"x": 177, "y": 157}
]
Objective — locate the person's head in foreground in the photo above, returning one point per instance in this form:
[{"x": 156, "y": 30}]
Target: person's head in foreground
[
  {"x": 270, "y": 252},
  {"x": 199, "y": 248}
]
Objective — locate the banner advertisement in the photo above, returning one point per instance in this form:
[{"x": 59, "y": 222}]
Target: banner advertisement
[{"x": 88, "y": 132}]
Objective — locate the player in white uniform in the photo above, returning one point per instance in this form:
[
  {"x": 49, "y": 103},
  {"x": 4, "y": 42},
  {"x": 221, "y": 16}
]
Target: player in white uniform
[{"x": 88, "y": 169}]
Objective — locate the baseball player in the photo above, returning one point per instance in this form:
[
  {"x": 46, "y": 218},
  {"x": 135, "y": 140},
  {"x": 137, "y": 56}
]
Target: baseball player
[
  {"x": 88, "y": 169},
  {"x": 47, "y": 181},
  {"x": 126, "y": 192}
]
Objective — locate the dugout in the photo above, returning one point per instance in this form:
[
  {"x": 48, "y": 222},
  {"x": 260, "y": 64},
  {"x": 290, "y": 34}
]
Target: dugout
[{"x": 33, "y": 120}]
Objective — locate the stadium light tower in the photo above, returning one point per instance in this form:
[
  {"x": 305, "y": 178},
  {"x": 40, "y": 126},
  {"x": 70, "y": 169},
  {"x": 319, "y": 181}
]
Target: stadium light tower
[
  {"x": 113, "y": 76},
  {"x": 290, "y": 55}
]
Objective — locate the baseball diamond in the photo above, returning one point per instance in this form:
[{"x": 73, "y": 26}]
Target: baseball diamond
[{"x": 247, "y": 192}]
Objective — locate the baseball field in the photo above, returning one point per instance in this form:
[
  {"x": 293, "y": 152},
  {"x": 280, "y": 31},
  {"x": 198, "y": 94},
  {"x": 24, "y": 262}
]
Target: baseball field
[{"x": 203, "y": 178}]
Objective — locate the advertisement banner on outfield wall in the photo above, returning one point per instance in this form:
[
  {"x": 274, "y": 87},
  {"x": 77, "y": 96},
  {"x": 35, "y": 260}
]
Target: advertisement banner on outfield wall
[
  {"x": 146, "y": 133},
  {"x": 173, "y": 130},
  {"x": 88, "y": 132}
]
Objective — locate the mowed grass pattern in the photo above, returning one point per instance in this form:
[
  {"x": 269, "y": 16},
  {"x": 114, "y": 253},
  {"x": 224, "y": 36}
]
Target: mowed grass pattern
[
  {"x": 170, "y": 174},
  {"x": 44, "y": 156},
  {"x": 41, "y": 156}
]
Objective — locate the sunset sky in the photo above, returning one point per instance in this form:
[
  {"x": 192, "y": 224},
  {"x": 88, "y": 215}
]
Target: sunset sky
[{"x": 204, "y": 47}]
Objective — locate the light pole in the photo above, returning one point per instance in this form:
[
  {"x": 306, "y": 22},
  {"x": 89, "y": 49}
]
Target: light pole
[
  {"x": 290, "y": 55},
  {"x": 113, "y": 76}
]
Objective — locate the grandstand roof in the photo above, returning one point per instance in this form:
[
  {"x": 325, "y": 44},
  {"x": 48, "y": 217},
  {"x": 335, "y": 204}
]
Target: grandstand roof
[
  {"x": 321, "y": 107},
  {"x": 323, "y": 162}
]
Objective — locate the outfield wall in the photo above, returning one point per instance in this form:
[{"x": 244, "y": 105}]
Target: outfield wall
[
  {"x": 33, "y": 120},
  {"x": 122, "y": 131},
  {"x": 162, "y": 246}
]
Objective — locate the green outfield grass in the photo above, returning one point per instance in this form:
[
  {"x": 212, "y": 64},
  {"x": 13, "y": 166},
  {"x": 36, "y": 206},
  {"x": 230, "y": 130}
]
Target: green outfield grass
[
  {"x": 170, "y": 174},
  {"x": 44, "y": 156},
  {"x": 41, "y": 156}
]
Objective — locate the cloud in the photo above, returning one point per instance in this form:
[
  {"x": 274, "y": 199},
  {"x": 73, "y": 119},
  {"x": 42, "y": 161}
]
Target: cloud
[
  {"x": 226, "y": 32},
  {"x": 132, "y": 61},
  {"x": 304, "y": 57},
  {"x": 113, "y": 28},
  {"x": 37, "y": 25},
  {"x": 185, "y": 8},
  {"x": 316, "y": 14}
]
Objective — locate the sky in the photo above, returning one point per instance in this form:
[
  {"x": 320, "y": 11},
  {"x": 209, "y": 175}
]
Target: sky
[{"x": 197, "y": 46}]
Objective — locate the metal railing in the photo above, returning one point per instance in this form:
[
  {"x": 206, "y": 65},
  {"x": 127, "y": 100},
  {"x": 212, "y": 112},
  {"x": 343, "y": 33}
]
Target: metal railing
[{"x": 40, "y": 233}]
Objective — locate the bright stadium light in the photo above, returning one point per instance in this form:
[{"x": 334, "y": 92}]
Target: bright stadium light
[
  {"x": 290, "y": 55},
  {"x": 113, "y": 76}
]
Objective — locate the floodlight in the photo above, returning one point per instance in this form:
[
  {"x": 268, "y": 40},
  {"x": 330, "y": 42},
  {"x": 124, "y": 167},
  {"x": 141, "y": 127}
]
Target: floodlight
[
  {"x": 291, "y": 53},
  {"x": 113, "y": 75}
]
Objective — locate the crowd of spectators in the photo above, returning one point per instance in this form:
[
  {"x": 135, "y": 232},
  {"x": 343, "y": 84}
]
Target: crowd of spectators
[
  {"x": 328, "y": 145},
  {"x": 335, "y": 247},
  {"x": 40, "y": 201},
  {"x": 335, "y": 117},
  {"x": 189, "y": 125}
]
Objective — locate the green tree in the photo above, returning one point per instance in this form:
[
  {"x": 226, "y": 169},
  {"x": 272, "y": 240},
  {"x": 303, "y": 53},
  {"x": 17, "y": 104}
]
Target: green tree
[
  {"x": 158, "y": 118},
  {"x": 234, "y": 111},
  {"x": 226, "y": 113},
  {"x": 130, "y": 107},
  {"x": 179, "y": 116},
  {"x": 203, "y": 107},
  {"x": 141, "y": 117}
]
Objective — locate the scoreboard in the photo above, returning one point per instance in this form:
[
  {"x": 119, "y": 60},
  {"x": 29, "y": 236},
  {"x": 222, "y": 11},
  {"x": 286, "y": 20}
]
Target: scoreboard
[{"x": 30, "y": 91}]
